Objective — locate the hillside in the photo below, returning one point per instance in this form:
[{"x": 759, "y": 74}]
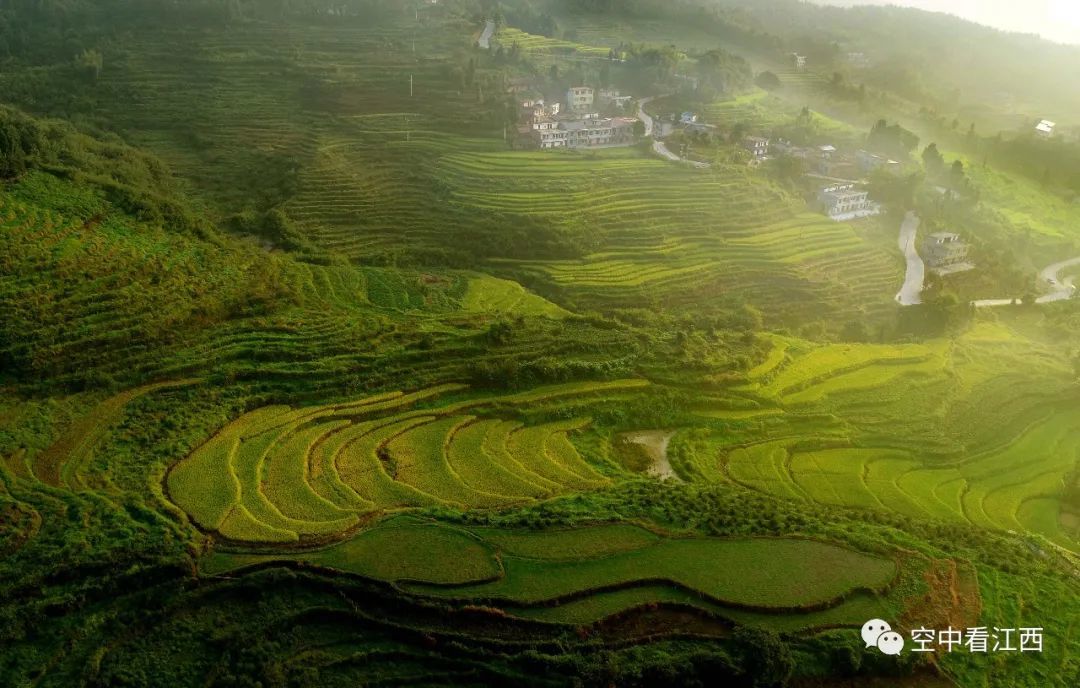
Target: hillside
[{"x": 311, "y": 374}]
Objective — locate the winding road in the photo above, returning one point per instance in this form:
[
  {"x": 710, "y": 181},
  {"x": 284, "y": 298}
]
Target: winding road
[
  {"x": 909, "y": 294},
  {"x": 658, "y": 146},
  {"x": 485, "y": 38},
  {"x": 1062, "y": 289}
]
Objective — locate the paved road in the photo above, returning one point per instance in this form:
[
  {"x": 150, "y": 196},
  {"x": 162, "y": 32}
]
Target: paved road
[
  {"x": 485, "y": 38},
  {"x": 644, "y": 116},
  {"x": 1061, "y": 289},
  {"x": 658, "y": 146},
  {"x": 909, "y": 294},
  {"x": 1049, "y": 277}
]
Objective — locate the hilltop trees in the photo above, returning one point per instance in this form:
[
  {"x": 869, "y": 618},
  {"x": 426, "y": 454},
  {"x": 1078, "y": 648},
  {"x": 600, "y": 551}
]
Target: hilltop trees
[
  {"x": 720, "y": 70},
  {"x": 892, "y": 140}
]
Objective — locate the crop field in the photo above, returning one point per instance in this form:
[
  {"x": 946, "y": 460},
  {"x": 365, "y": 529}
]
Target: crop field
[
  {"x": 1006, "y": 477},
  {"x": 598, "y": 29},
  {"x": 279, "y": 474},
  {"x": 372, "y": 177},
  {"x": 488, "y": 295},
  {"x": 507, "y": 37},
  {"x": 583, "y": 575},
  {"x": 665, "y": 231},
  {"x": 310, "y": 376},
  {"x": 801, "y": 573}
]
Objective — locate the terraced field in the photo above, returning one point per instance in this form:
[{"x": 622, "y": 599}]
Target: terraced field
[
  {"x": 278, "y": 474},
  {"x": 298, "y": 456},
  {"x": 374, "y": 177},
  {"x": 871, "y": 452},
  {"x": 672, "y": 232},
  {"x": 507, "y": 37},
  {"x": 585, "y": 574}
]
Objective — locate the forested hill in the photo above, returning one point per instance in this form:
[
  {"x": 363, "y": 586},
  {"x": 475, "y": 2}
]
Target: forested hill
[{"x": 928, "y": 57}]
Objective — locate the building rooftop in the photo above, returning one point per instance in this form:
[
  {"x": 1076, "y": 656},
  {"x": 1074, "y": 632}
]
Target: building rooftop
[
  {"x": 945, "y": 236},
  {"x": 846, "y": 195}
]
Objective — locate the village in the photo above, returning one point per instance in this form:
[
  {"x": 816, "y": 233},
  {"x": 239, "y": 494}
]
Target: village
[{"x": 592, "y": 118}]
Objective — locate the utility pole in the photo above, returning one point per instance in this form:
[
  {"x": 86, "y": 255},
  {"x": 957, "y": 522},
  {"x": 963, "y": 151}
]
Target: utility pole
[{"x": 410, "y": 85}]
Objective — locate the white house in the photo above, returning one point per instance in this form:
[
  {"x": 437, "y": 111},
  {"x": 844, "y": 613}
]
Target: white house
[
  {"x": 798, "y": 61},
  {"x": 758, "y": 146},
  {"x": 1045, "y": 128},
  {"x": 581, "y": 132},
  {"x": 612, "y": 96},
  {"x": 846, "y": 202},
  {"x": 858, "y": 60},
  {"x": 580, "y": 98}
]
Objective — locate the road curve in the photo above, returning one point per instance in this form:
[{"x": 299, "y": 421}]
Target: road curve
[
  {"x": 1049, "y": 276},
  {"x": 1061, "y": 289},
  {"x": 909, "y": 294},
  {"x": 485, "y": 38},
  {"x": 658, "y": 146}
]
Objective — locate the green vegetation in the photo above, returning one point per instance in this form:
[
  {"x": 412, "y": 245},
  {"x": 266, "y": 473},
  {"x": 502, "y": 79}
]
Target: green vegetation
[
  {"x": 256, "y": 479},
  {"x": 526, "y": 570},
  {"x": 308, "y": 376}
]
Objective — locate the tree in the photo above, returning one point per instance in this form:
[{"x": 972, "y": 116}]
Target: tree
[
  {"x": 768, "y": 81},
  {"x": 89, "y": 63},
  {"x": 932, "y": 159},
  {"x": 767, "y": 657},
  {"x": 788, "y": 169},
  {"x": 893, "y": 140},
  {"x": 957, "y": 172}
]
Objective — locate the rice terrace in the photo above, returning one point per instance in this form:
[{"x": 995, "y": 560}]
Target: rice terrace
[{"x": 537, "y": 342}]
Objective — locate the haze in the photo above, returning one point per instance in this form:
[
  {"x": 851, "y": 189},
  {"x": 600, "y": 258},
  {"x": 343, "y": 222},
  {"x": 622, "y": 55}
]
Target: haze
[{"x": 1056, "y": 20}]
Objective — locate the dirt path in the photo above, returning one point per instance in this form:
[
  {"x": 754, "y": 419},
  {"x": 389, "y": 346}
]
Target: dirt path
[
  {"x": 59, "y": 464},
  {"x": 655, "y": 443},
  {"x": 909, "y": 294}
]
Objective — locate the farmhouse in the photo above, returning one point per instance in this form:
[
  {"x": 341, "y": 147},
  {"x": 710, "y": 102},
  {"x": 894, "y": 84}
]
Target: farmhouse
[
  {"x": 846, "y": 202},
  {"x": 945, "y": 253},
  {"x": 859, "y": 60},
  {"x": 608, "y": 97},
  {"x": 758, "y": 146},
  {"x": 1045, "y": 128},
  {"x": 580, "y": 98},
  {"x": 537, "y": 109},
  {"x": 577, "y": 132},
  {"x": 798, "y": 61}
]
